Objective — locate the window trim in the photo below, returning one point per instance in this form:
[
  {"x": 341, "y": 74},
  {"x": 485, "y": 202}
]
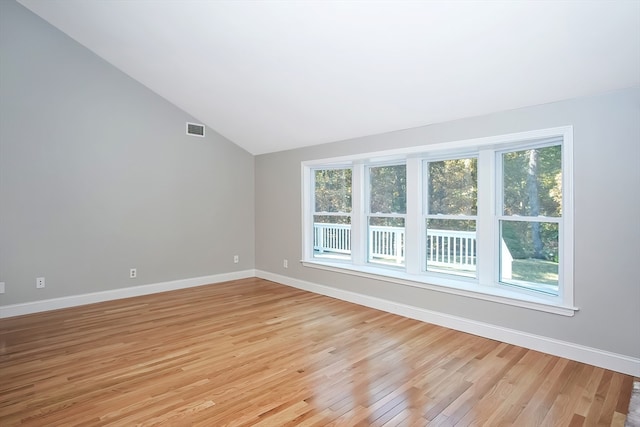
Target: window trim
[
  {"x": 485, "y": 287},
  {"x": 368, "y": 214},
  {"x": 499, "y": 214},
  {"x": 426, "y": 215},
  {"x": 314, "y": 212}
]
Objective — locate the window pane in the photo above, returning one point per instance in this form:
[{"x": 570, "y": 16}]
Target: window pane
[
  {"x": 332, "y": 236},
  {"x": 333, "y": 190},
  {"x": 532, "y": 182},
  {"x": 388, "y": 189},
  {"x": 529, "y": 255},
  {"x": 451, "y": 246},
  {"x": 453, "y": 187},
  {"x": 386, "y": 241}
]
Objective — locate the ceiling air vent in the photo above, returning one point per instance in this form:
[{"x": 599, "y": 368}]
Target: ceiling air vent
[{"x": 195, "y": 129}]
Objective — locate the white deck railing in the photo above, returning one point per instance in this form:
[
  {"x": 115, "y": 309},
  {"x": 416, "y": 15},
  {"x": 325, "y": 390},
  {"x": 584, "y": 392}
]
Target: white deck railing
[
  {"x": 332, "y": 238},
  {"x": 444, "y": 248},
  {"x": 452, "y": 249},
  {"x": 386, "y": 243}
]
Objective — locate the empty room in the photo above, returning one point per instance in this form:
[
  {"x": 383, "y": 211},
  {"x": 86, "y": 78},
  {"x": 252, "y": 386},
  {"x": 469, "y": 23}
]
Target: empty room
[{"x": 313, "y": 213}]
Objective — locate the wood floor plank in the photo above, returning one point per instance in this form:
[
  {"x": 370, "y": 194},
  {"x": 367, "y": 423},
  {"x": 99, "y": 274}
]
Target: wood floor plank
[{"x": 256, "y": 353}]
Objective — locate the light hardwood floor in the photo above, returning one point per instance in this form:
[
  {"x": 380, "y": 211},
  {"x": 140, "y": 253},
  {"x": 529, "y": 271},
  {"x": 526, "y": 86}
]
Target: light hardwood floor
[{"x": 253, "y": 352}]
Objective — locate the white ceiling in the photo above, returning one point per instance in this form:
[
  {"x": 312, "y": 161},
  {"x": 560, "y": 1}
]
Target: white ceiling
[{"x": 274, "y": 75}]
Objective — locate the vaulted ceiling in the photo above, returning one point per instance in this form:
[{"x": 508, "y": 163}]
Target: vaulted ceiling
[{"x": 274, "y": 75}]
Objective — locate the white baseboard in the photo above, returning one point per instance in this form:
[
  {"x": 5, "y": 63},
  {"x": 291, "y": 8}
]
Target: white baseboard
[
  {"x": 94, "y": 297},
  {"x": 592, "y": 356}
]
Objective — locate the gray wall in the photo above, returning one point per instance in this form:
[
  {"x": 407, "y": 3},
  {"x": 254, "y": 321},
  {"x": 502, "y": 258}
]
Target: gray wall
[
  {"x": 97, "y": 175},
  {"x": 607, "y": 225}
]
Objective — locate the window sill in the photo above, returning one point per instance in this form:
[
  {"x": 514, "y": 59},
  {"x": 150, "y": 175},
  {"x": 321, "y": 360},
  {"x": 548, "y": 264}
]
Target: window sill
[{"x": 455, "y": 286}]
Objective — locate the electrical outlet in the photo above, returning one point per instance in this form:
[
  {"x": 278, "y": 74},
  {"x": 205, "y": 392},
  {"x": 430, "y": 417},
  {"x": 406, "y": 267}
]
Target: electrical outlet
[
  {"x": 236, "y": 259},
  {"x": 133, "y": 273},
  {"x": 285, "y": 263},
  {"x": 1, "y": 287},
  {"x": 40, "y": 282}
]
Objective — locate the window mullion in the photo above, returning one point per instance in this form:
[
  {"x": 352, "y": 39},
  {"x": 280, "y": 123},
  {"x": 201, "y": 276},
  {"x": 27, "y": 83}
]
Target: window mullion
[
  {"x": 358, "y": 215},
  {"x": 413, "y": 222},
  {"x": 487, "y": 241}
]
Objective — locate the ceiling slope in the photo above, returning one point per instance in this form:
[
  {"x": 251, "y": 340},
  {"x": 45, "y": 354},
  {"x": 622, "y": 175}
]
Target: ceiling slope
[{"x": 275, "y": 75}]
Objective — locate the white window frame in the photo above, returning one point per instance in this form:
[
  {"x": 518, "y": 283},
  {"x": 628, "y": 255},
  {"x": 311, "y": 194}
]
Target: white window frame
[
  {"x": 499, "y": 209},
  {"x": 426, "y": 215},
  {"x": 314, "y": 212},
  {"x": 368, "y": 214},
  {"x": 486, "y": 285}
]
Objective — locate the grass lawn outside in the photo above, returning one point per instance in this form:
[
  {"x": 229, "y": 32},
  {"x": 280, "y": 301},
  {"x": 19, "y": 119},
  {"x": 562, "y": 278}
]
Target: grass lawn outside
[{"x": 535, "y": 271}]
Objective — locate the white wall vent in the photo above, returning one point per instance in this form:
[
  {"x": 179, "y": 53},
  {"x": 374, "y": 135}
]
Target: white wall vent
[{"x": 195, "y": 129}]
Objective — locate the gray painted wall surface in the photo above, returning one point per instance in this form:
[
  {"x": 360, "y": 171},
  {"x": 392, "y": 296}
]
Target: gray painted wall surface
[
  {"x": 607, "y": 225},
  {"x": 97, "y": 175}
]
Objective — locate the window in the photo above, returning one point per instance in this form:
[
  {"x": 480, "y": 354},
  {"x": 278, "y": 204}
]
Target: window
[
  {"x": 387, "y": 211},
  {"x": 530, "y": 217},
  {"x": 450, "y": 220},
  {"x": 332, "y": 213},
  {"x": 490, "y": 218}
]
